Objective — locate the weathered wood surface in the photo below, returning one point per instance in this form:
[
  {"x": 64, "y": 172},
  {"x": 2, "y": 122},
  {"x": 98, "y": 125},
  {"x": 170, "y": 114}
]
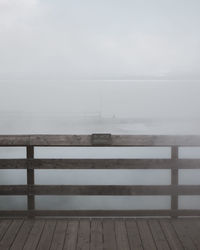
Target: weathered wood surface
[
  {"x": 99, "y": 164},
  {"x": 86, "y": 140},
  {"x": 10, "y": 234},
  {"x": 14, "y": 140},
  {"x": 30, "y": 180},
  {"x": 115, "y": 190},
  {"x": 100, "y": 234},
  {"x": 13, "y": 190},
  {"x": 47, "y": 235},
  {"x": 104, "y": 190},
  {"x": 174, "y": 179},
  {"x": 107, "y": 164},
  {"x": 13, "y": 163},
  {"x": 59, "y": 235},
  {"x": 71, "y": 237},
  {"x": 158, "y": 235},
  {"x": 30, "y": 164},
  {"x": 34, "y": 236},
  {"x": 100, "y": 190},
  {"x": 101, "y": 213}
]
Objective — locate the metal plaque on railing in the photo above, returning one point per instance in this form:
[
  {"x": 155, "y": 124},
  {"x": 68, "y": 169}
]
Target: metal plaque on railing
[{"x": 101, "y": 139}]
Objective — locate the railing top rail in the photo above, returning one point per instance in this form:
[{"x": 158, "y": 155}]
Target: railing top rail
[{"x": 86, "y": 140}]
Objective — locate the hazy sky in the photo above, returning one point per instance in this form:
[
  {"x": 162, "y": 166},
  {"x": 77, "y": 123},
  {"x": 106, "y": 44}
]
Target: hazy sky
[
  {"x": 105, "y": 39},
  {"x": 42, "y": 40}
]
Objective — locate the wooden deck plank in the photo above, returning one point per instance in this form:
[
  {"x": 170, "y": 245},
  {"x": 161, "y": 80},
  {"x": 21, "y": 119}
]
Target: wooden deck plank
[
  {"x": 133, "y": 235},
  {"x": 59, "y": 235},
  {"x": 4, "y": 224},
  {"x": 34, "y": 235},
  {"x": 96, "y": 235},
  {"x": 146, "y": 236},
  {"x": 195, "y": 231},
  {"x": 10, "y": 235},
  {"x": 71, "y": 235},
  {"x": 22, "y": 235},
  {"x": 109, "y": 235},
  {"x": 182, "y": 232},
  {"x": 84, "y": 235},
  {"x": 121, "y": 235},
  {"x": 47, "y": 235},
  {"x": 100, "y": 234},
  {"x": 158, "y": 235},
  {"x": 171, "y": 235},
  {"x": 192, "y": 228}
]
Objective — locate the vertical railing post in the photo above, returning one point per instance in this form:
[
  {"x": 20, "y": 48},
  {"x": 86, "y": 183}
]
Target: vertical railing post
[
  {"x": 174, "y": 181},
  {"x": 30, "y": 181}
]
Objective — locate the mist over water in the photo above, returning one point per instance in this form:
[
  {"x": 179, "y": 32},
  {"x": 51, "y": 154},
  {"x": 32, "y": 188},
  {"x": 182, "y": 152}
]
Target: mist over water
[
  {"x": 85, "y": 107},
  {"x": 146, "y": 107}
]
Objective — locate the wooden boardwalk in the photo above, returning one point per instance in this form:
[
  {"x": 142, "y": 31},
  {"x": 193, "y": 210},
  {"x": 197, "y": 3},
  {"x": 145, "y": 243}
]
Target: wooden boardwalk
[
  {"x": 72, "y": 233},
  {"x": 99, "y": 234}
]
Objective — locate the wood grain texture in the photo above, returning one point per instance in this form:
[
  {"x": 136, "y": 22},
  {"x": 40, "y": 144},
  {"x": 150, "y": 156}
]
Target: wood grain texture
[
  {"x": 86, "y": 140},
  {"x": 22, "y": 235},
  {"x": 102, "y": 213},
  {"x": 174, "y": 178},
  {"x": 121, "y": 235},
  {"x": 47, "y": 235},
  {"x": 34, "y": 235},
  {"x": 4, "y": 224},
  {"x": 84, "y": 235},
  {"x": 117, "y": 140},
  {"x": 59, "y": 235},
  {"x": 71, "y": 235},
  {"x": 10, "y": 235},
  {"x": 146, "y": 236},
  {"x": 133, "y": 235},
  {"x": 112, "y": 190},
  {"x": 104, "y": 164},
  {"x": 109, "y": 234},
  {"x": 99, "y": 164},
  {"x": 14, "y": 140},
  {"x": 158, "y": 235},
  {"x": 30, "y": 181},
  {"x": 170, "y": 235},
  {"x": 101, "y": 234},
  {"x": 13, "y": 190},
  {"x": 96, "y": 235},
  {"x": 181, "y": 230},
  {"x": 106, "y": 190},
  {"x": 13, "y": 163}
]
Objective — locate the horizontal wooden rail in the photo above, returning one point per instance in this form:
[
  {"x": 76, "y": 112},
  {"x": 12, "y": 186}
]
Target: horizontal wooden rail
[
  {"x": 100, "y": 190},
  {"x": 99, "y": 164},
  {"x": 101, "y": 213},
  {"x": 86, "y": 140},
  {"x": 31, "y": 164}
]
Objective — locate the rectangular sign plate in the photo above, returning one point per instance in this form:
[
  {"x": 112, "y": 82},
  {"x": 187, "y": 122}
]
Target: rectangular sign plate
[{"x": 101, "y": 139}]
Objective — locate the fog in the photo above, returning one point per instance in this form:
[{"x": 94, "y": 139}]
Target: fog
[
  {"x": 156, "y": 106},
  {"x": 120, "y": 67},
  {"x": 128, "y": 39},
  {"x": 85, "y": 107}
]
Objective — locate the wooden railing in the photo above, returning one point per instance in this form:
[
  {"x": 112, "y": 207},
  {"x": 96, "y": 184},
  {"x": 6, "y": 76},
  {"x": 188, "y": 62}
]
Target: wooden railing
[{"x": 30, "y": 164}]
